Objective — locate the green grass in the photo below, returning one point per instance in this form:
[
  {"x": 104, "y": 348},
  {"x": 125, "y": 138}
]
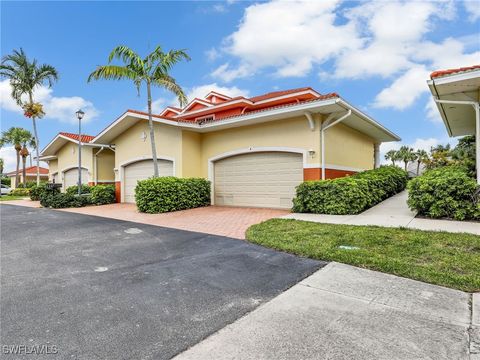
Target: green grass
[
  {"x": 440, "y": 258},
  {"x": 10, "y": 197}
]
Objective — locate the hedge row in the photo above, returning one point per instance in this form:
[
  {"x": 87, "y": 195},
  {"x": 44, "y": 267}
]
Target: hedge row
[
  {"x": 91, "y": 195},
  {"x": 349, "y": 195},
  {"x": 446, "y": 192},
  {"x": 20, "y": 192},
  {"x": 165, "y": 194}
]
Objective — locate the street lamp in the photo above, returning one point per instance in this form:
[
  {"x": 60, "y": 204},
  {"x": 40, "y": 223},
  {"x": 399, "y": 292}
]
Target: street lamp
[{"x": 80, "y": 115}]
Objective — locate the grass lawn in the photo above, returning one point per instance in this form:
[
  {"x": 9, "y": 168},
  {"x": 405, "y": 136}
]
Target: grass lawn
[
  {"x": 10, "y": 197},
  {"x": 440, "y": 258}
]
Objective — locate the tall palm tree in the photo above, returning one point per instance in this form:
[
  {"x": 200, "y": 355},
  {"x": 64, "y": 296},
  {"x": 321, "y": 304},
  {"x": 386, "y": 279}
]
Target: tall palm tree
[
  {"x": 392, "y": 155},
  {"x": 16, "y": 136},
  {"x": 25, "y": 76},
  {"x": 421, "y": 157},
  {"x": 30, "y": 141},
  {"x": 406, "y": 154},
  {"x": 152, "y": 70}
]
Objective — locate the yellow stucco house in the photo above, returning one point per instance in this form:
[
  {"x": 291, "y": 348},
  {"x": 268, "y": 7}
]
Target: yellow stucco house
[
  {"x": 30, "y": 175},
  {"x": 255, "y": 151}
]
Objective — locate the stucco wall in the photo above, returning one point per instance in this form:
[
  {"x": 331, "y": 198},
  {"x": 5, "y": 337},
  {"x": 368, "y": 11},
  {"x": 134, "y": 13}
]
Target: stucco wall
[
  {"x": 191, "y": 154},
  {"x": 105, "y": 165},
  {"x": 129, "y": 145},
  {"x": 52, "y": 168},
  {"x": 67, "y": 157}
]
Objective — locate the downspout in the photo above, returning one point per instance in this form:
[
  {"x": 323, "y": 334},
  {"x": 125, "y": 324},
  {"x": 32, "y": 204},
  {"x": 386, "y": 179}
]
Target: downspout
[
  {"x": 476, "y": 106},
  {"x": 322, "y": 136}
]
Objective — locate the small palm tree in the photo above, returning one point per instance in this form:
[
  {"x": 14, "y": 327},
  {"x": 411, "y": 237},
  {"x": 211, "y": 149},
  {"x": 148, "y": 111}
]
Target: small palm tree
[
  {"x": 421, "y": 157},
  {"x": 153, "y": 70},
  {"x": 1, "y": 167},
  {"x": 392, "y": 155},
  {"x": 25, "y": 76},
  {"x": 406, "y": 154},
  {"x": 16, "y": 136}
]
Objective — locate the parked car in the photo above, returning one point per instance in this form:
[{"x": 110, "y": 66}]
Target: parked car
[{"x": 5, "y": 190}]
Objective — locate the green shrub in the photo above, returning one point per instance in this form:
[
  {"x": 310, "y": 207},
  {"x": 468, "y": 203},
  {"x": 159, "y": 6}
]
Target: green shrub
[
  {"x": 36, "y": 191},
  {"x": 102, "y": 194},
  {"x": 53, "y": 198},
  {"x": 349, "y": 195},
  {"x": 444, "y": 192},
  {"x": 6, "y": 181},
  {"x": 20, "y": 192},
  {"x": 165, "y": 194},
  {"x": 73, "y": 190}
]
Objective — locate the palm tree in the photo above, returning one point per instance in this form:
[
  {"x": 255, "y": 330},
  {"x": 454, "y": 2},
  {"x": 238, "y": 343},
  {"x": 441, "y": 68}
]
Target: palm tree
[
  {"x": 406, "y": 154},
  {"x": 153, "y": 70},
  {"x": 16, "y": 136},
  {"x": 29, "y": 139},
  {"x": 392, "y": 155},
  {"x": 25, "y": 76},
  {"x": 1, "y": 167},
  {"x": 421, "y": 157}
]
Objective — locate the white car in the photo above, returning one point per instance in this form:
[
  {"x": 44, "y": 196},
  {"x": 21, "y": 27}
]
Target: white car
[{"x": 6, "y": 190}]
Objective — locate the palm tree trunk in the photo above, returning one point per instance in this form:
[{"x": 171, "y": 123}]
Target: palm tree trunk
[
  {"x": 37, "y": 143},
  {"x": 152, "y": 134},
  {"x": 24, "y": 171},
  {"x": 406, "y": 163},
  {"x": 418, "y": 167},
  {"x": 17, "y": 174}
]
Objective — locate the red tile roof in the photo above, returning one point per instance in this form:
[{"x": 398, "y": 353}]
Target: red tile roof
[
  {"x": 278, "y": 93},
  {"x": 441, "y": 73},
  {"x": 30, "y": 170},
  {"x": 85, "y": 138}
]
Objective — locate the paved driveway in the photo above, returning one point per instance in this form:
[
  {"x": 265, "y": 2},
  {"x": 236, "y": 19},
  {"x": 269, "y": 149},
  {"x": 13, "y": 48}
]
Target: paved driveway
[
  {"x": 106, "y": 289},
  {"x": 217, "y": 220}
]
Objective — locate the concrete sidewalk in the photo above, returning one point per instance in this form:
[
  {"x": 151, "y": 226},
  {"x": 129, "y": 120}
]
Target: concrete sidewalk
[
  {"x": 344, "y": 312},
  {"x": 392, "y": 212}
]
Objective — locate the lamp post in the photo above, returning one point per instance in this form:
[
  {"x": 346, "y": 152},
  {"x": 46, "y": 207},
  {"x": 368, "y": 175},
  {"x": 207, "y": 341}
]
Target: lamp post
[{"x": 80, "y": 114}]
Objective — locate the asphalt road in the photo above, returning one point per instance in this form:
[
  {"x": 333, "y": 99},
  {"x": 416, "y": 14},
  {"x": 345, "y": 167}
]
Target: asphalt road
[{"x": 95, "y": 288}]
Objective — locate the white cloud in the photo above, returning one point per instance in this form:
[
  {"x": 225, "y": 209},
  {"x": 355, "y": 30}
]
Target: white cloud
[
  {"x": 227, "y": 73},
  {"x": 212, "y": 54},
  {"x": 202, "y": 90},
  {"x": 158, "y": 105},
  {"x": 58, "y": 108},
  {"x": 403, "y": 92},
  {"x": 473, "y": 9},
  {"x": 8, "y": 154}
]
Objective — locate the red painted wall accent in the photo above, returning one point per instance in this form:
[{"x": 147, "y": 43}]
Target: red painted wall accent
[
  {"x": 316, "y": 173},
  {"x": 90, "y": 183},
  {"x": 118, "y": 191}
]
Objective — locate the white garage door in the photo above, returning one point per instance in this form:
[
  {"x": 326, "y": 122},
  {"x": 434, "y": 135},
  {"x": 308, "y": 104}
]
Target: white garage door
[
  {"x": 266, "y": 179},
  {"x": 70, "y": 177},
  {"x": 142, "y": 170}
]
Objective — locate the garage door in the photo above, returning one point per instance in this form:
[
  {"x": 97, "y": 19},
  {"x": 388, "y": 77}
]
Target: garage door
[
  {"x": 142, "y": 170},
  {"x": 266, "y": 179},
  {"x": 70, "y": 177}
]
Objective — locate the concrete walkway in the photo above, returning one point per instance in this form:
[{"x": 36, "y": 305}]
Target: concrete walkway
[
  {"x": 392, "y": 212},
  {"x": 344, "y": 312}
]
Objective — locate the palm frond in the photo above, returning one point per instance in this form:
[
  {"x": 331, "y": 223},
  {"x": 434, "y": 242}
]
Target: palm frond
[
  {"x": 113, "y": 72},
  {"x": 127, "y": 55},
  {"x": 169, "y": 83}
]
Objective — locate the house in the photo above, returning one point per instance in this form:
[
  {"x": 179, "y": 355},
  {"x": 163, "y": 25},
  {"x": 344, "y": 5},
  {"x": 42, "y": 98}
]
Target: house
[
  {"x": 61, "y": 154},
  {"x": 31, "y": 175},
  {"x": 255, "y": 151},
  {"x": 457, "y": 95}
]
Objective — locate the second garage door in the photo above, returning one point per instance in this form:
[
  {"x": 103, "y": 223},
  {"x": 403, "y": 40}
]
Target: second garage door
[
  {"x": 70, "y": 177},
  {"x": 266, "y": 179},
  {"x": 142, "y": 170}
]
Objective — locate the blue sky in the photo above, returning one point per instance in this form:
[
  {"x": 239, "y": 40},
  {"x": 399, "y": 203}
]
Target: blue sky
[{"x": 377, "y": 55}]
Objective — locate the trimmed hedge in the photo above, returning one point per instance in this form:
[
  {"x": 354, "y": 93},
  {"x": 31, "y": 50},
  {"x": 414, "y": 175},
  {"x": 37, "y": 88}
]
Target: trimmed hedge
[
  {"x": 73, "y": 190},
  {"x": 91, "y": 195},
  {"x": 446, "y": 192},
  {"x": 165, "y": 194},
  {"x": 349, "y": 195},
  {"x": 36, "y": 191},
  {"x": 20, "y": 192},
  {"x": 102, "y": 194}
]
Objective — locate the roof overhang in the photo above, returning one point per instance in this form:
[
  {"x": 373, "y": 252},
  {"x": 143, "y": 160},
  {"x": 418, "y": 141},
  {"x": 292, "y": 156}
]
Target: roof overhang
[
  {"x": 459, "y": 119},
  {"x": 357, "y": 120},
  {"x": 58, "y": 142}
]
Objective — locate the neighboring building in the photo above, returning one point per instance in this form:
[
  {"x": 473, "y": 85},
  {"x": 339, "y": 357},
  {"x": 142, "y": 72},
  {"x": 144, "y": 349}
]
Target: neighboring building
[
  {"x": 31, "y": 175},
  {"x": 255, "y": 151},
  {"x": 457, "y": 94},
  {"x": 61, "y": 154}
]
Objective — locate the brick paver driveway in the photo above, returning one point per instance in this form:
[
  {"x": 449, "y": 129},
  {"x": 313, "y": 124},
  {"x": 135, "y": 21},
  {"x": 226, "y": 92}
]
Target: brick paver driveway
[{"x": 217, "y": 220}]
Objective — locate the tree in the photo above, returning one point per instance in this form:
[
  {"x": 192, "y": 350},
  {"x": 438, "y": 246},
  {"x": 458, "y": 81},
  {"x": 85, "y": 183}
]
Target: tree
[
  {"x": 30, "y": 141},
  {"x": 16, "y": 136},
  {"x": 153, "y": 70},
  {"x": 392, "y": 155},
  {"x": 464, "y": 154},
  {"x": 24, "y": 76},
  {"x": 406, "y": 154},
  {"x": 1, "y": 167},
  {"x": 421, "y": 157}
]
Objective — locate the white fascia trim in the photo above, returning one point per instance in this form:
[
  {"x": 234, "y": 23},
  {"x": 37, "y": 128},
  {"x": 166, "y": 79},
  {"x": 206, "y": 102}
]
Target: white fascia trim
[
  {"x": 122, "y": 166},
  {"x": 454, "y": 78},
  {"x": 281, "y": 97},
  {"x": 196, "y": 101},
  {"x": 368, "y": 119},
  {"x": 214, "y": 93},
  {"x": 46, "y": 158},
  {"x": 252, "y": 149},
  {"x": 50, "y": 143},
  {"x": 216, "y": 106},
  {"x": 169, "y": 108}
]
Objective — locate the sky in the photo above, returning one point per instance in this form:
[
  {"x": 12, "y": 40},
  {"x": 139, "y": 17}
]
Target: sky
[{"x": 376, "y": 54}]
